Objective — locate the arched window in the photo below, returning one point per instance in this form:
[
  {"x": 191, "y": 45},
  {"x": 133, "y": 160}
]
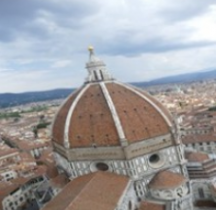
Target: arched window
[{"x": 130, "y": 205}]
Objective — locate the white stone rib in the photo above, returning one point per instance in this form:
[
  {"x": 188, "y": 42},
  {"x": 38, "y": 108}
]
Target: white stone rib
[
  {"x": 67, "y": 123},
  {"x": 149, "y": 101},
  {"x": 114, "y": 113},
  {"x": 65, "y": 101}
]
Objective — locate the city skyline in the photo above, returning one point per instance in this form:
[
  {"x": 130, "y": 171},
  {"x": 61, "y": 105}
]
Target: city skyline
[{"x": 43, "y": 44}]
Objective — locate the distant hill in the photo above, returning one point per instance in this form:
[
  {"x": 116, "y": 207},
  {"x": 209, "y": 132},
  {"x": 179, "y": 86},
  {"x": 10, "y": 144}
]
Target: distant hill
[
  {"x": 13, "y": 99},
  {"x": 182, "y": 78}
]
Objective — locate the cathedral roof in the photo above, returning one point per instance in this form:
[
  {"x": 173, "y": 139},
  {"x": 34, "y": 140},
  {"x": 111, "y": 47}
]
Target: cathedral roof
[
  {"x": 196, "y": 156},
  {"x": 167, "y": 180},
  {"x": 198, "y": 138},
  {"x": 104, "y": 112},
  {"x": 99, "y": 190}
]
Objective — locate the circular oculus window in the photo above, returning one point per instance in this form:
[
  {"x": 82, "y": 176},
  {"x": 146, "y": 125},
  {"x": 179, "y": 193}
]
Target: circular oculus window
[
  {"x": 102, "y": 166},
  {"x": 156, "y": 160}
]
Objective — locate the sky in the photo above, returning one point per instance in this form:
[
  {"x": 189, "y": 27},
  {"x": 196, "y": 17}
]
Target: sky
[{"x": 43, "y": 43}]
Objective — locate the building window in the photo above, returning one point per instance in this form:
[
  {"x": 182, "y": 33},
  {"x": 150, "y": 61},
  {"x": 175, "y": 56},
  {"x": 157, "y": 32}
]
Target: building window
[
  {"x": 201, "y": 193},
  {"x": 102, "y": 166},
  {"x": 154, "y": 158},
  {"x": 130, "y": 205}
]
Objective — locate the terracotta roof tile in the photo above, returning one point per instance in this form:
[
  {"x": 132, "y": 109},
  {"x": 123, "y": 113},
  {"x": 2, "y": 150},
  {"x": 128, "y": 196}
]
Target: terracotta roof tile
[
  {"x": 99, "y": 190},
  {"x": 26, "y": 157},
  {"x": 167, "y": 180},
  {"x": 59, "y": 123},
  {"x": 196, "y": 156},
  {"x": 140, "y": 120},
  {"x": 198, "y": 138},
  {"x": 5, "y": 150},
  {"x": 20, "y": 180},
  {"x": 160, "y": 105},
  {"x": 92, "y": 122},
  {"x": 28, "y": 145},
  {"x": 59, "y": 181}
]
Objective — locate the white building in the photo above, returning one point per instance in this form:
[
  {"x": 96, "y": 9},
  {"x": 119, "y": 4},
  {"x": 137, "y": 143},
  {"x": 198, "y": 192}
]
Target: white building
[{"x": 18, "y": 193}]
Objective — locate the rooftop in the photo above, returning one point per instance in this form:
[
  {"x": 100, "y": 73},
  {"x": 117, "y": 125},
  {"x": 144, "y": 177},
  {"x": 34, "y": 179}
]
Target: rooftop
[
  {"x": 166, "y": 180},
  {"x": 99, "y": 190}
]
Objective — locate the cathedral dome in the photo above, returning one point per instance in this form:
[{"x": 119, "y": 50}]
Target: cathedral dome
[
  {"x": 105, "y": 112},
  {"x": 107, "y": 126}
]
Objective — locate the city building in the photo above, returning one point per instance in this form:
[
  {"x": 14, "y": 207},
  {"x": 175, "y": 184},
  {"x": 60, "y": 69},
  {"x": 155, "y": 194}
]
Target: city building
[
  {"x": 17, "y": 193},
  {"x": 202, "y": 173},
  {"x": 201, "y": 142}
]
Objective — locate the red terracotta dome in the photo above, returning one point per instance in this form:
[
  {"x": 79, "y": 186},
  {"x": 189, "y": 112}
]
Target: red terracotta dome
[
  {"x": 104, "y": 112},
  {"x": 167, "y": 180}
]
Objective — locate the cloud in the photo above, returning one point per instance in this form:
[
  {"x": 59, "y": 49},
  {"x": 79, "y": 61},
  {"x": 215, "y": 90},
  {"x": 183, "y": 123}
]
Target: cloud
[
  {"x": 184, "y": 10},
  {"x": 48, "y": 39},
  {"x": 37, "y": 18},
  {"x": 156, "y": 45},
  {"x": 61, "y": 64}
]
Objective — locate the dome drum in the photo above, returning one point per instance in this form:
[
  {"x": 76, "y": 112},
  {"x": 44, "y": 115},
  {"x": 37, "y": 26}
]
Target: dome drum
[
  {"x": 116, "y": 152},
  {"x": 91, "y": 153}
]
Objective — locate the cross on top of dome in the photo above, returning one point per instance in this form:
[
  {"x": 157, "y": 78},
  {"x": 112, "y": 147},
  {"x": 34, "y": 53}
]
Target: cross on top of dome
[{"x": 96, "y": 68}]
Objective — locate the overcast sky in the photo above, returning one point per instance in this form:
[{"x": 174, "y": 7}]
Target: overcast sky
[{"x": 43, "y": 43}]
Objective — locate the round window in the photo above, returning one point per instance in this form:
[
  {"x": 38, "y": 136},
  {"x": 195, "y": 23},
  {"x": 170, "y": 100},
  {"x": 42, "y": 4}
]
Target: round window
[
  {"x": 156, "y": 160},
  {"x": 102, "y": 166}
]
